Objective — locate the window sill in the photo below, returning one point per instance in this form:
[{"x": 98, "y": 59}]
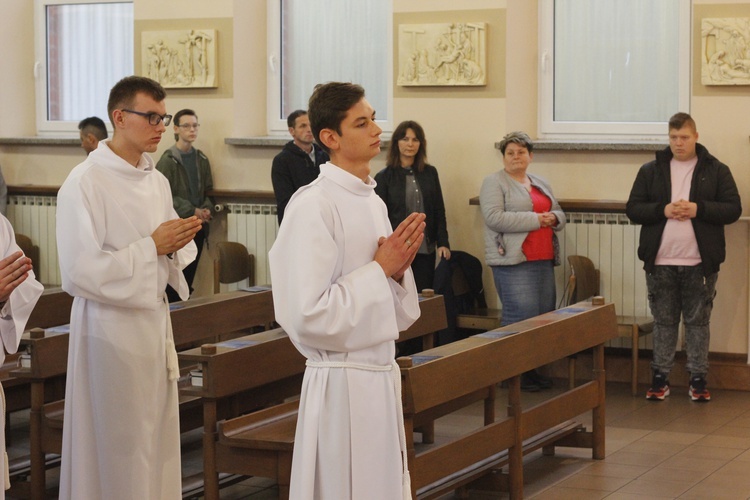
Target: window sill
[
  {"x": 258, "y": 142},
  {"x": 272, "y": 141},
  {"x": 40, "y": 141},
  {"x": 542, "y": 145}
]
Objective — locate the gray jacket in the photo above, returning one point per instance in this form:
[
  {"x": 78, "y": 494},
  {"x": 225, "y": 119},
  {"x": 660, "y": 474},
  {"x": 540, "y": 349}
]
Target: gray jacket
[{"x": 509, "y": 216}]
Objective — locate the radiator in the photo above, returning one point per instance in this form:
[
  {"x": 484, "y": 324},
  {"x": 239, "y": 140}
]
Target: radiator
[
  {"x": 611, "y": 242},
  {"x": 255, "y": 226},
  {"x": 34, "y": 216}
]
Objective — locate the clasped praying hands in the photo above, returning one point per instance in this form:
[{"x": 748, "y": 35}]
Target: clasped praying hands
[
  {"x": 174, "y": 234},
  {"x": 681, "y": 210},
  {"x": 396, "y": 252},
  {"x": 14, "y": 269},
  {"x": 547, "y": 219}
]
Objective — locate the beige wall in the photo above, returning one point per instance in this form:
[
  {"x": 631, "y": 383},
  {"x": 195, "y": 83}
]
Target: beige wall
[{"x": 461, "y": 126}]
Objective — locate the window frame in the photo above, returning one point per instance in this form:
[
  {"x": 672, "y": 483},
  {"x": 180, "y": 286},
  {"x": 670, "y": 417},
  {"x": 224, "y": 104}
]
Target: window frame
[
  {"x": 44, "y": 126},
  {"x": 277, "y": 126},
  {"x": 550, "y": 129}
]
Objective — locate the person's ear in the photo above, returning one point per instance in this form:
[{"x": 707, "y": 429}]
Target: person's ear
[
  {"x": 329, "y": 138},
  {"x": 118, "y": 118}
]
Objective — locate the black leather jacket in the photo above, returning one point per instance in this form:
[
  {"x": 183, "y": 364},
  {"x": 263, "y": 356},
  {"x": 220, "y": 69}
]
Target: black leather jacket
[
  {"x": 712, "y": 188},
  {"x": 392, "y": 189}
]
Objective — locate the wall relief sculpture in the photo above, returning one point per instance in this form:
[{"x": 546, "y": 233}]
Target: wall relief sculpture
[
  {"x": 451, "y": 54},
  {"x": 180, "y": 59},
  {"x": 725, "y": 51}
]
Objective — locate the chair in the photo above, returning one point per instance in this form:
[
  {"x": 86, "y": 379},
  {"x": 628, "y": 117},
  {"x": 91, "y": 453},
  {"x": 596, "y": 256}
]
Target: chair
[
  {"x": 465, "y": 290},
  {"x": 583, "y": 284},
  {"x": 30, "y": 250},
  {"x": 233, "y": 264}
]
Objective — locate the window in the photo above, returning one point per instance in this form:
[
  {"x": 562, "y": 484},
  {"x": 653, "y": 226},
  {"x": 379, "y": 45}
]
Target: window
[
  {"x": 317, "y": 41},
  {"x": 612, "y": 69},
  {"x": 83, "y": 47}
]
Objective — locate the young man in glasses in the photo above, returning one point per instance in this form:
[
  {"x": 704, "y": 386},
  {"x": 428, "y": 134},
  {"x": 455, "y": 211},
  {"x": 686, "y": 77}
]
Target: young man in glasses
[
  {"x": 189, "y": 174},
  {"x": 120, "y": 243}
]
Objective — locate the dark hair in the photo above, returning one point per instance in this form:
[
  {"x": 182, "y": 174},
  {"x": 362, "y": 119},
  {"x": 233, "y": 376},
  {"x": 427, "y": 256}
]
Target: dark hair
[
  {"x": 93, "y": 125},
  {"x": 123, "y": 93},
  {"x": 679, "y": 120},
  {"x": 328, "y": 106},
  {"x": 394, "y": 155},
  {"x": 520, "y": 138},
  {"x": 180, "y": 114},
  {"x": 291, "y": 120}
]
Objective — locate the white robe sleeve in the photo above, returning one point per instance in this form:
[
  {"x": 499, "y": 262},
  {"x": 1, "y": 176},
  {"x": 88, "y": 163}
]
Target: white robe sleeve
[
  {"x": 16, "y": 311},
  {"x": 122, "y": 273},
  {"x": 405, "y": 300},
  {"x": 317, "y": 304}
]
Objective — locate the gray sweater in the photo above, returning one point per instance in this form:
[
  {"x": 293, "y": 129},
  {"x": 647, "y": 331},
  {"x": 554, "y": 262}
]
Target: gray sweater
[{"x": 509, "y": 216}]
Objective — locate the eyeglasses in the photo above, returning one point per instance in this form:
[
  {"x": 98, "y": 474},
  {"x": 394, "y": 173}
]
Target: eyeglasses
[
  {"x": 153, "y": 118},
  {"x": 190, "y": 125}
]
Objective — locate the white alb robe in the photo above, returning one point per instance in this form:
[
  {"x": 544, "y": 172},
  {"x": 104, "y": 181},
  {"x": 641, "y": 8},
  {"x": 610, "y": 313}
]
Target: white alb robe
[
  {"x": 13, "y": 317},
  {"x": 337, "y": 305},
  {"x": 121, "y": 431}
]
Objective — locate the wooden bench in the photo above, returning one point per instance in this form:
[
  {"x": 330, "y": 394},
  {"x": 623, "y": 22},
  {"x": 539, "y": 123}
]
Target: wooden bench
[
  {"x": 261, "y": 443},
  {"x": 437, "y": 381},
  {"x": 52, "y": 308},
  {"x": 480, "y": 319},
  {"x": 193, "y": 322},
  {"x": 583, "y": 284}
]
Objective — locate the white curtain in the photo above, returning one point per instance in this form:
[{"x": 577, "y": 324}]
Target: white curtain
[
  {"x": 334, "y": 40},
  {"x": 601, "y": 46},
  {"x": 90, "y": 48}
]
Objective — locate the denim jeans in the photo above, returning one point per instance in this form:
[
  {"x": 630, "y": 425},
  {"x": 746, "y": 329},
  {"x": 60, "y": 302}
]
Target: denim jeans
[
  {"x": 525, "y": 290},
  {"x": 675, "y": 291}
]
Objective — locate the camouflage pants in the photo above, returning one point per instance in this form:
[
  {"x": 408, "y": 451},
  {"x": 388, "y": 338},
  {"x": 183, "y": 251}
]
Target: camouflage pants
[{"x": 675, "y": 291}]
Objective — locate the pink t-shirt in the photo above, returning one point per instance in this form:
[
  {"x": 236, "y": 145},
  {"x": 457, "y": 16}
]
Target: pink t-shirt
[{"x": 678, "y": 244}]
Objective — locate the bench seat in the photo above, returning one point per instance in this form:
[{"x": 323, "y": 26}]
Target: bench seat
[{"x": 475, "y": 473}]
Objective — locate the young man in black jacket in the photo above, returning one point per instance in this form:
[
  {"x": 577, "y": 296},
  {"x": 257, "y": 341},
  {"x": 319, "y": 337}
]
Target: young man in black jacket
[
  {"x": 299, "y": 162},
  {"x": 682, "y": 199}
]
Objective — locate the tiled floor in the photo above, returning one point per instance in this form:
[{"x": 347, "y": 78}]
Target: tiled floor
[{"x": 670, "y": 449}]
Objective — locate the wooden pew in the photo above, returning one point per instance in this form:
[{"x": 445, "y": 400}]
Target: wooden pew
[
  {"x": 53, "y": 308},
  {"x": 435, "y": 382},
  {"x": 193, "y": 322},
  {"x": 268, "y": 370},
  {"x": 444, "y": 379}
]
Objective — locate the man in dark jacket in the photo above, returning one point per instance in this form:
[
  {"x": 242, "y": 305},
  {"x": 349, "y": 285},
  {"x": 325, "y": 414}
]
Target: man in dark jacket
[
  {"x": 299, "y": 162},
  {"x": 682, "y": 199}
]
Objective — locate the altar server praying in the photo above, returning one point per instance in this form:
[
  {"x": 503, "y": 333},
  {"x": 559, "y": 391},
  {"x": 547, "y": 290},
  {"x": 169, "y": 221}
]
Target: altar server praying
[
  {"x": 120, "y": 243},
  {"x": 343, "y": 289}
]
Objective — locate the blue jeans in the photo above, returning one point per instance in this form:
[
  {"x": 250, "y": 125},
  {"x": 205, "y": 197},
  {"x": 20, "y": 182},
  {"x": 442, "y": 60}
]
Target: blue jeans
[
  {"x": 675, "y": 291},
  {"x": 525, "y": 290}
]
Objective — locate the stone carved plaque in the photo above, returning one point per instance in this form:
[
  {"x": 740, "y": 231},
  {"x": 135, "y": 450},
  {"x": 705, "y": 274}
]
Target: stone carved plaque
[
  {"x": 450, "y": 54},
  {"x": 180, "y": 59},
  {"x": 725, "y": 54}
]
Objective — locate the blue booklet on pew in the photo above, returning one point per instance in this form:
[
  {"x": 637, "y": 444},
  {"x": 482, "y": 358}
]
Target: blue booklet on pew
[
  {"x": 237, "y": 344},
  {"x": 418, "y": 360},
  {"x": 570, "y": 310},
  {"x": 494, "y": 334},
  {"x": 254, "y": 289},
  {"x": 58, "y": 329}
]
